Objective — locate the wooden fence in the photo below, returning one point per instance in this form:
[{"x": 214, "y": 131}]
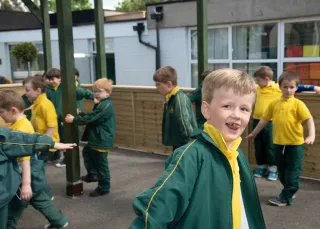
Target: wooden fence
[{"x": 139, "y": 117}]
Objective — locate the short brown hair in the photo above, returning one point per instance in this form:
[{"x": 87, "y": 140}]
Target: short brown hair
[
  {"x": 103, "y": 83},
  {"x": 53, "y": 73},
  {"x": 9, "y": 99},
  {"x": 36, "y": 82},
  {"x": 166, "y": 74},
  {"x": 239, "y": 81},
  {"x": 264, "y": 72},
  {"x": 290, "y": 76}
]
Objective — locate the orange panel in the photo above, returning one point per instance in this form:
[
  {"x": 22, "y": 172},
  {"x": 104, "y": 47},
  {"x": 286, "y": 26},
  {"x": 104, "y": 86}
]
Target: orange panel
[
  {"x": 290, "y": 67},
  {"x": 315, "y": 71},
  {"x": 294, "y": 51},
  {"x": 303, "y": 70}
]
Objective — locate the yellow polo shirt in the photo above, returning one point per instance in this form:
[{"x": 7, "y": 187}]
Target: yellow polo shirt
[
  {"x": 23, "y": 125},
  {"x": 44, "y": 116},
  {"x": 231, "y": 154},
  {"x": 287, "y": 115},
  {"x": 264, "y": 97}
]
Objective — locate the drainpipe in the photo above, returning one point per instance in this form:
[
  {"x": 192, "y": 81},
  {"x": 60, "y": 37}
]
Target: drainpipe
[{"x": 157, "y": 16}]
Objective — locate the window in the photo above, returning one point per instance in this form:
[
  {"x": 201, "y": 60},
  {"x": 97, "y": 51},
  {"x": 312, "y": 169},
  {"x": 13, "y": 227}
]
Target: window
[
  {"x": 250, "y": 68},
  {"x": 211, "y": 67},
  {"x": 309, "y": 72}
]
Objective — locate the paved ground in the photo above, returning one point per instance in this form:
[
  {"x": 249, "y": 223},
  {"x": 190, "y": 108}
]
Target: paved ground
[{"x": 132, "y": 172}]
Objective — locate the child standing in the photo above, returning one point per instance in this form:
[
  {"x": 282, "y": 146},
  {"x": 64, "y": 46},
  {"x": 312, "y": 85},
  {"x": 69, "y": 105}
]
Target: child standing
[
  {"x": 195, "y": 97},
  {"x": 54, "y": 94},
  {"x": 33, "y": 180},
  {"x": 267, "y": 91},
  {"x": 18, "y": 144},
  {"x": 201, "y": 187},
  {"x": 99, "y": 133},
  {"x": 178, "y": 120},
  {"x": 287, "y": 115}
]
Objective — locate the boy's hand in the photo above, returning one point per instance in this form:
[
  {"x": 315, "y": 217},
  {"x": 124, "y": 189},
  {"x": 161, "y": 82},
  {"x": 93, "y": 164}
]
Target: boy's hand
[
  {"x": 78, "y": 111},
  {"x": 64, "y": 147},
  {"x": 26, "y": 192},
  {"x": 69, "y": 118},
  {"x": 309, "y": 140},
  {"x": 29, "y": 108},
  {"x": 250, "y": 136},
  {"x": 317, "y": 89},
  {"x": 95, "y": 101}
]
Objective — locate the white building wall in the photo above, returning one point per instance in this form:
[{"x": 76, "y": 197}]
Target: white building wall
[
  {"x": 5, "y": 61},
  {"x": 135, "y": 63}
]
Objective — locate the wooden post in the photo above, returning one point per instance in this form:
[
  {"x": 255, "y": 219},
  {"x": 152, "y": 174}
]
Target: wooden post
[
  {"x": 202, "y": 32},
  {"x": 46, "y": 41},
  {"x": 74, "y": 183},
  {"x": 101, "y": 70}
]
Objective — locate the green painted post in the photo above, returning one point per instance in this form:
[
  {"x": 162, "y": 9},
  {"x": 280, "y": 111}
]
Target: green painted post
[
  {"x": 34, "y": 9},
  {"x": 101, "y": 64},
  {"x": 202, "y": 31},
  {"x": 64, "y": 15},
  {"x": 46, "y": 41}
]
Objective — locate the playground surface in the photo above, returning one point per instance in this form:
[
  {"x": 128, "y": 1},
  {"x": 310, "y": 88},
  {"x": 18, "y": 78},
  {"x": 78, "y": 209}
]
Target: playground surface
[{"x": 132, "y": 172}]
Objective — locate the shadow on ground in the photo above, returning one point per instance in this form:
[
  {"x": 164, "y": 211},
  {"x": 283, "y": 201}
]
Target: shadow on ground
[{"x": 132, "y": 172}]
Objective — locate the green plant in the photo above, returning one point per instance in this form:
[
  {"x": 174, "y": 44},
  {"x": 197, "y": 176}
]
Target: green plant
[{"x": 25, "y": 52}]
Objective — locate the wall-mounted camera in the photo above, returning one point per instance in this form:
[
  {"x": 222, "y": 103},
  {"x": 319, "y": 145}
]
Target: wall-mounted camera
[{"x": 157, "y": 13}]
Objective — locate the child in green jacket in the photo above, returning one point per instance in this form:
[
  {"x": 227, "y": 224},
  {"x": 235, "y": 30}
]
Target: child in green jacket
[
  {"x": 99, "y": 134},
  {"x": 201, "y": 188},
  {"x": 15, "y": 144},
  {"x": 54, "y": 94},
  {"x": 178, "y": 120}
]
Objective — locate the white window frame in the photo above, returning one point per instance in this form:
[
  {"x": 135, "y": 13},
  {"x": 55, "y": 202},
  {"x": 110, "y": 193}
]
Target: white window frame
[{"x": 281, "y": 59}]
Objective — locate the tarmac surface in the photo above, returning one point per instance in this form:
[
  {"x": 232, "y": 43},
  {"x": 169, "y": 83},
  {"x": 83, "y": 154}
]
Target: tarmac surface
[{"x": 132, "y": 172}]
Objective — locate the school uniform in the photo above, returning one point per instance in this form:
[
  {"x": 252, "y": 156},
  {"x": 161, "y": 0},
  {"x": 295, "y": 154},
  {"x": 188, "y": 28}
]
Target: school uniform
[
  {"x": 178, "y": 121},
  {"x": 263, "y": 143},
  {"x": 287, "y": 115},
  {"x": 41, "y": 197},
  {"x": 196, "y": 97},
  {"x": 44, "y": 116},
  {"x": 201, "y": 189},
  {"x": 27, "y": 103},
  {"x": 15, "y": 144},
  {"x": 99, "y": 134},
  {"x": 54, "y": 94}
]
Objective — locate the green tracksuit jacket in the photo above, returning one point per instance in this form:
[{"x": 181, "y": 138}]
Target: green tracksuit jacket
[
  {"x": 178, "y": 121},
  {"x": 196, "y": 97},
  {"x": 15, "y": 144},
  {"x": 101, "y": 125},
  {"x": 195, "y": 191},
  {"x": 27, "y": 104}
]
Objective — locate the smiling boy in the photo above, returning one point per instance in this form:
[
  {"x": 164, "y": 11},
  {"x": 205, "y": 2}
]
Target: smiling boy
[{"x": 201, "y": 188}]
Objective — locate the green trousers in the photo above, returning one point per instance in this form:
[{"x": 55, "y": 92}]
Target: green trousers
[
  {"x": 4, "y": 216},
  {"x": 289, "y": 162},
  {"x": 263, "y": 145},
  {"x": 41, "y": 202},
  {"x": 97, "y": 163}
]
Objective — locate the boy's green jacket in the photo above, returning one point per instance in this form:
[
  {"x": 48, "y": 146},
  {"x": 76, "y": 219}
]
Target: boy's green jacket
[
  {"x": 15, "y": 144},
  {"x": 195, "y": 191},
  {"x": 27, "y": 104},
  {"x": 178, "y": 121},
  {"x": 55, "y": 96},
  {"x": 79, "y": 102},
  {"x": 101, "y": 125},
  {"x": 196, "y": 97}
]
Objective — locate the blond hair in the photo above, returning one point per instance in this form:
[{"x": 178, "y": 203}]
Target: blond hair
[
  {"x": 9, "y": 99},
  {"x": 166, "y": 74},
  {"x": 239, "y": 81},
  {"x": 263, "y": 72},
  {"x": 105, "y": 84}
]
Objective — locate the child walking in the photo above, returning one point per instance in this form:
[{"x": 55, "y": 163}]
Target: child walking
[
  {"x": 287, "y": 115},
  {"x": 33, "y": 187},
  {"x": 201, "y": 187},
  {"x": 99, "y": 133},
  {"x": 178, "y": 121}
]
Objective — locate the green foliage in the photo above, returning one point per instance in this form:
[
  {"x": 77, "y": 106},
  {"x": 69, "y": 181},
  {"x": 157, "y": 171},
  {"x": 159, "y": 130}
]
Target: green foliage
[
  {"x": 75, "y": 5},
  {"x": 25, "y": 52},
  {"x": 135, "y": 5},
  {"x": 11, "y": 5}
]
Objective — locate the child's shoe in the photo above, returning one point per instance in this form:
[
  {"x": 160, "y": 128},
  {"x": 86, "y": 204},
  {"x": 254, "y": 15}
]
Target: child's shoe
[
  {"x": 61, "y": 164},
  {"x": 259, "y": 172},
  {"x": 90, "y": 178},
  {"x": 49, "y": 226},
  {"x": 97, "y": 193},
  {"x": 272, "y": 176},
  {"x": 278, "y": 202}
]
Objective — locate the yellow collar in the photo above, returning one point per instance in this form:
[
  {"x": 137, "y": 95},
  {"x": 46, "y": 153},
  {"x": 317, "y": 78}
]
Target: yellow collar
[
  {"x": 173, "y": 92},
  {"x": 77, "y": 83},
  {"x": 216, "y": 136},
  {"x": 17, "y": 123},
  {"x": 40, "y": 98}
]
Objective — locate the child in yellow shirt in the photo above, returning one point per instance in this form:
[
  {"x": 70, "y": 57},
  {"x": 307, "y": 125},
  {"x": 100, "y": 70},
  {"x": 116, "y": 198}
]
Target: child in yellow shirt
[
  {"x": 287, "y": 115},
  {"x": 33, "y": 188}
]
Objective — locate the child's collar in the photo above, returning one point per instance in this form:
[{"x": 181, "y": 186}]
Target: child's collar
[{"x": 173, "y": 92}]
